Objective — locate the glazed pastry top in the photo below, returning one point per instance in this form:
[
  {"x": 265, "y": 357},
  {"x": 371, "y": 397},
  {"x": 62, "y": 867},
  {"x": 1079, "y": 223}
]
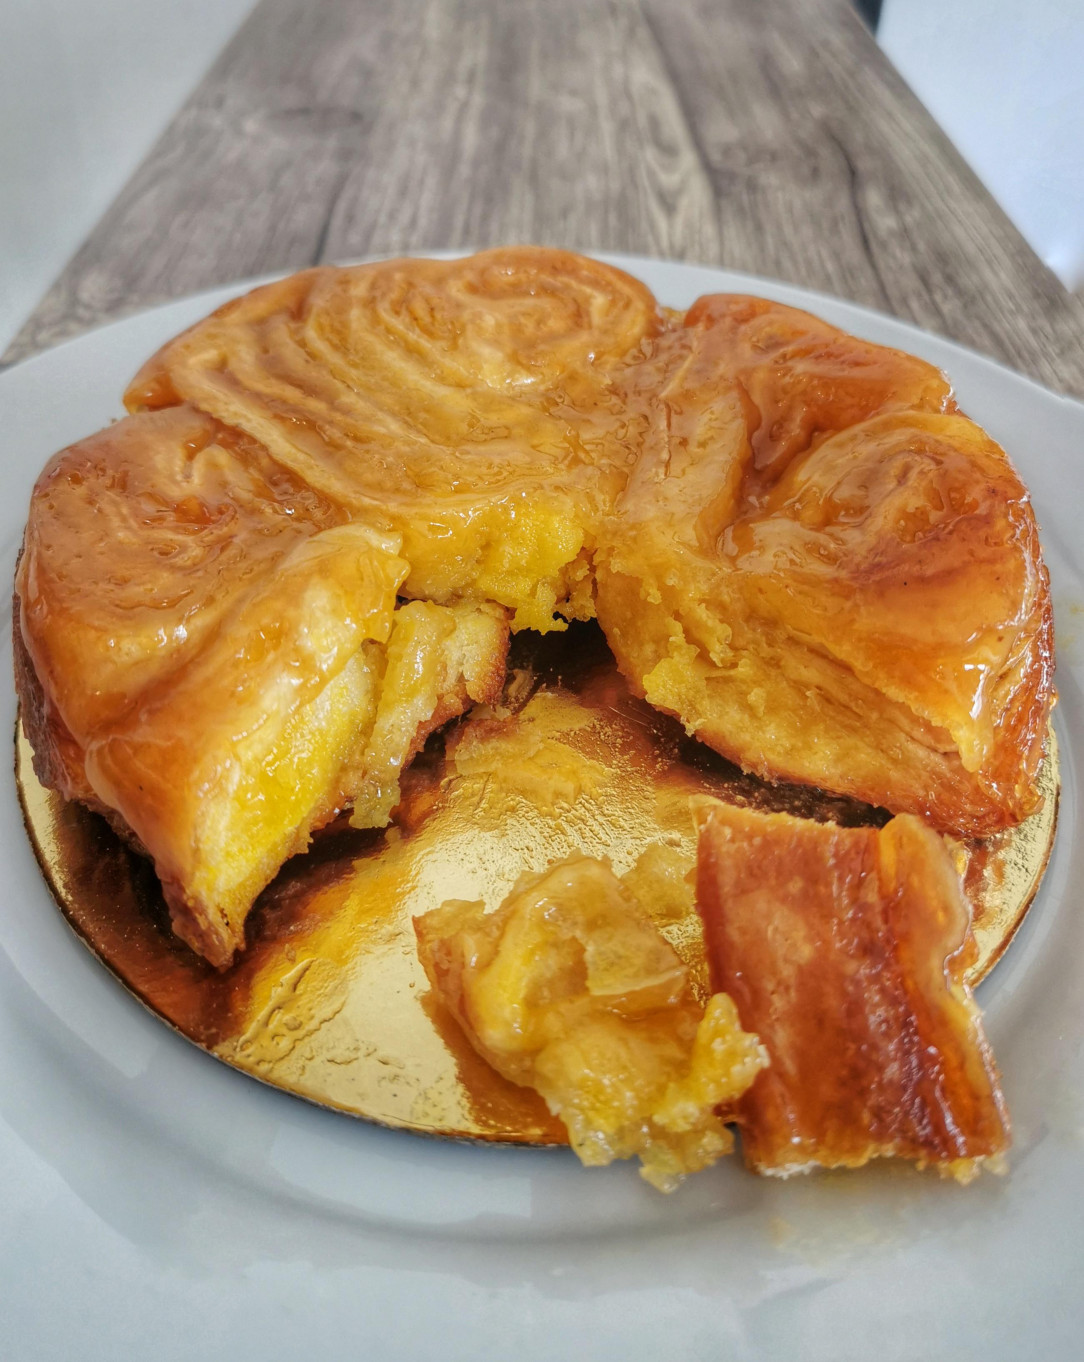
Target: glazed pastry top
[{"x": 792, "y": 538}]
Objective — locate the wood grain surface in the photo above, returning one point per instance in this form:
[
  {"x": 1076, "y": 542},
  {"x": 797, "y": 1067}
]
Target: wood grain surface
[{"x": 765, "y": 135}]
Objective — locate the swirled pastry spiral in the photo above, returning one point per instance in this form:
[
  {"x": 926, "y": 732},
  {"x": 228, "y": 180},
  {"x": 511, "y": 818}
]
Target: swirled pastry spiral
[
  {"x": 243, "y": 607},
  {"x": 466, "y": 406}
]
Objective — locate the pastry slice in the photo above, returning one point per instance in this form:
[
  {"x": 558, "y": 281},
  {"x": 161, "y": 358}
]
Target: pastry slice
[
  {"x": 829, "y": 574},
  {"x": 569, "y": 988},
  {"x": 208, "y": 657},
  {"x": 845, "y": 949}
]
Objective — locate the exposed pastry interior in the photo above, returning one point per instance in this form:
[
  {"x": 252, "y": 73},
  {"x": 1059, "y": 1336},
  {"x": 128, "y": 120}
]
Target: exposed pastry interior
[
  {"x": 793, "y": 540},
  {"x": 828, "y": 573},
  {"x": 568, "y": 987},
  {"x": 241, "y": 669},
  {"x": 845, "y": 950}
]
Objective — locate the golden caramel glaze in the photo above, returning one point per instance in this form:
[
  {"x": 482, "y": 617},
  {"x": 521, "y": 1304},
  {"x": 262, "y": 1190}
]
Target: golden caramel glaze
[
  {"x": 846, "y": 950},
  {"x": 829, "y": 574},
  {"x": 569, "y": 988},
  {"x": 219, "y": 686},
  {"x": 172, "y": 518},
  {"x": 801, "y": 379},
  {"x": 466, "y": 406}
]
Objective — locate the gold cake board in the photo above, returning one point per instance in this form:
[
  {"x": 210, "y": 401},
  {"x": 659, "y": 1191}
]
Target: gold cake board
[{"x": 329, "y": 1000}]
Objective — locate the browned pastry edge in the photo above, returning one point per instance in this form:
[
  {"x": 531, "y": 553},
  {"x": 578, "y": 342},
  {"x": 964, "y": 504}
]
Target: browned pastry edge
[
  {"x": 846, "y": 950},
  {"x": 43, "y": 728}
]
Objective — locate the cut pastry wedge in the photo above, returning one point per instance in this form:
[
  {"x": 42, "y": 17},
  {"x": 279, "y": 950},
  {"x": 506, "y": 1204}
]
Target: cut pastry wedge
[
  {"x": 829, "y": 574},
  {"x": 241, "y": 671},
  {"x": 845, "y": 950}
]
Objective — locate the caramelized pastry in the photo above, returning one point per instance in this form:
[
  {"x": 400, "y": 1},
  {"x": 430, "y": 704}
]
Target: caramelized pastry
[
  {"x": 212, "y": 656},
  {"x": 829, "y": 574},
  {"x": 845, "y": 949},
  {"x": 569, "y": 988},
  {"x": 463, "y": 405},
  {"x": 797, "y": 544}
]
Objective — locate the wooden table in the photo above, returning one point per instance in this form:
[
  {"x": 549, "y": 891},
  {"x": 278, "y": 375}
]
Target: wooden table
[{"x": 766, "y": 135}]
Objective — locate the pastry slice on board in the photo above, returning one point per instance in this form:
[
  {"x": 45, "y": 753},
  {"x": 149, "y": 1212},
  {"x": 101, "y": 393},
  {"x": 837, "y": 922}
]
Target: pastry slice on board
[
  {"x": 568, "y": 987},
  {"x": 845, "y": 950}
]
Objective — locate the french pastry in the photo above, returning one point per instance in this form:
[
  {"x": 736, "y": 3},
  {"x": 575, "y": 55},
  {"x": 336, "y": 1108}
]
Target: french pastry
[
  {"x": 795, "y": 541},
  {"x": 569, "y": 987},
  {"x": 242, "y": 608},
  {"x": 844, "y": 949}
]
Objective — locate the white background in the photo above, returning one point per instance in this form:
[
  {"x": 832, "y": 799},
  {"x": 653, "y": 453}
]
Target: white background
[{"x": 1005, "y": 79}]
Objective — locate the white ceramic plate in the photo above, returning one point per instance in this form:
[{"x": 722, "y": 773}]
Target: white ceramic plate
[{"x": 154, "y": 1203}]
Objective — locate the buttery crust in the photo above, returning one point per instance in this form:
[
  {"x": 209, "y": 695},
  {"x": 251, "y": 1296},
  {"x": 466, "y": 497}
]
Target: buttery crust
[
  {"x": 845, "y": 950},
  {"x": 202, "y": 652},
  {"x": 792, "y": 539}
]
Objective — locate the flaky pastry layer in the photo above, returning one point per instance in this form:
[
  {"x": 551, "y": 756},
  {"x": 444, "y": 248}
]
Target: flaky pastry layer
[
  {"x": 216, "y": 657},
  {"x": 845, "y": 949},
  {"x": 569, "y": 987},
  {"x": 828, "y": 573}
]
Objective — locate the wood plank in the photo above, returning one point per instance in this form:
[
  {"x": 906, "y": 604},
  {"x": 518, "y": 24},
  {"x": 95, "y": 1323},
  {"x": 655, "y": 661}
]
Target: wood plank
[
  {"x": 553, "y": 123},
  {"x": 767, "y": 135},
  {"x": 355, "y": 126},
  {"x": 829, "y": 173}
]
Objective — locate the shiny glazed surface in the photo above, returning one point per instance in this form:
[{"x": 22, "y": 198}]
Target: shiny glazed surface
[
  {"x": 846, "y": 949},
  {"x": 217, "y": 655},
  {"x": 467, "y": 406},
  {"x": 829, "y": 574},
  {"x": 479, "y": 1227},
  {"x": 752, "y": 483},
  {"x": 793, "y": 541}
]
